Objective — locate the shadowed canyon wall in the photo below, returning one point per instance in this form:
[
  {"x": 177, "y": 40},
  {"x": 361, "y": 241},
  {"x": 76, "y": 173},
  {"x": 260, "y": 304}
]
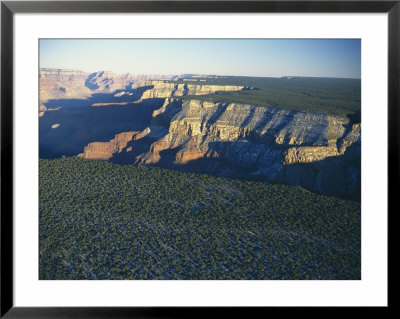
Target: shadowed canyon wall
[
  {"x": 68, "y": 84},
  {"x": 142, "y": 121},
  {"x": 319, "y": 152}
]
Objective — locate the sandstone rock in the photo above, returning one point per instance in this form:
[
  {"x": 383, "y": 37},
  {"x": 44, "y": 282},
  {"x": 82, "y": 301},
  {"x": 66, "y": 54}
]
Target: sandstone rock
[
  {"x": 263, "y": 140},
  {"x": 163, "y": 89},
  {"x": 142, "y": 134},
  {"x": 58, "y": 84},
  {"x": 193, "y": 150},
  {"x": 111, "y": 103},
  {"x": 75, "y": 84},
  {"x": 309, "y": 154},
  {"x": 119, "y": 94},
  {"x": 352, "y": 137},
  {"x": 104, "y": 82},
  {"x": 105, "y": 150},
  {"x": 160, "y": 90},
  {"x": 121, "y": 143},
  {"x": 194, "y": 89}
]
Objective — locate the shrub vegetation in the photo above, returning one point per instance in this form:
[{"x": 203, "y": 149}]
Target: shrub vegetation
[
  {"x": 100, "y": 220},
  {"x": 330, "y": 96}
]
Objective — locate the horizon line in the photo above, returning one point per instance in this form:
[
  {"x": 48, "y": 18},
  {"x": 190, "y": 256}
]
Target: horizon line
[{"x": 214, "y": 74}]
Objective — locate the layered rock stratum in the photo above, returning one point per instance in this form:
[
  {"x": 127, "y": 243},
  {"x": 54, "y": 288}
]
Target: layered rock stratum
[
  {"x": 58, "y": 83},
  {"x": 105, "y": 150},
  {"x": 75, "y": 84},
  {"x": 319, "y": 152},
  {"x": 163, "y": 89},
  {"x": 238, "y": 140},
  {"x": 221, "y": 127}
]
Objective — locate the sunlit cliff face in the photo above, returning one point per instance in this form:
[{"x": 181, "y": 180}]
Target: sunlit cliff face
[
  {"x": 266, "y": 142},
  {"x": 319, "y": 152}
]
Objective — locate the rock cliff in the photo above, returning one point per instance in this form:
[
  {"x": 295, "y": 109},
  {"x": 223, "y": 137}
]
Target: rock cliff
[
  {"x": 245, "y": 140},
  {"x": 59, "y": 84},
  {"x": 319, "y": 152},
  {"x": 123, "y": 146},
  {"x": 105, "y": 150},
  {"x": 75, "y": 84},
  {"x": 107, "y": 82},
  {"x": 163, "y": 89}
]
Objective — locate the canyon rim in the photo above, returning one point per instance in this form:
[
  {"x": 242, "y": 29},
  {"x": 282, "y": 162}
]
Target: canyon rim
[{"x": 200, "y": 168}]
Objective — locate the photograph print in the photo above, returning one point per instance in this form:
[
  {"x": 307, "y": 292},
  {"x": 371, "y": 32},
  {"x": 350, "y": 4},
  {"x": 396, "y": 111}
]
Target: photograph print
[{"x": 199, "y": 159}]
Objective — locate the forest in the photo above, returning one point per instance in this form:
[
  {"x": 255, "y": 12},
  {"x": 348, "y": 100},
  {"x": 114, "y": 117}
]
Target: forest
[
  {"x": 330, "y": 96},
  {"x": 100, "y": 220}
]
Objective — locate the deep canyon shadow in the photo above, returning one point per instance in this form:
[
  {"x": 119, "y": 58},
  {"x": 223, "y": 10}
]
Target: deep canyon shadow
[
  {"x": 80, "y": 124},
  {"x": 334, "y": 176}
]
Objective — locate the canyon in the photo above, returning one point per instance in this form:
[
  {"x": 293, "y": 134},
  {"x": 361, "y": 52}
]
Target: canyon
[
  {"x": 69, "y": 84},
  {"x": 148, "y": 121}
]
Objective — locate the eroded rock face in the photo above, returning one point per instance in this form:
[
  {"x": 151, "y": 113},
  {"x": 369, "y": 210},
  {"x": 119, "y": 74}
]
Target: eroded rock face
[
  {"x": 160, "y": 90},
  {"x": 319, "y": 152},
  {"x": 336, "y": 147},
  {"x": 105, "y": 150},
  {"x": 196, "y": 89},
  {"x": 74, "y": 84},
  {"x": 163, "y": 89},
  {"x": 124, "y": 142},
  {"x": 70, "y": 84},
  {"x": 304, "y": 137},
  {"x": 59, "y": 84},
  {"x": 275, "y": 145},
  {"x": 105, "y": 82}
]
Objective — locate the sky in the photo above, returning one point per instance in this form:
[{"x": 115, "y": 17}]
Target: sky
[{"x": 340, "y": 58}]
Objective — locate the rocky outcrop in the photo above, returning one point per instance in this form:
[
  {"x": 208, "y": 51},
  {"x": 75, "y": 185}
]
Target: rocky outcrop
[
  {"x": 111, "y": 103},
  {"x": 122, "y": 93},
  {"x": 319, "y": 153},
  {"x": 62, "y": 84},
  {"x": 159, "y": 90},
  {"x": 42, "y": 109},
  {"x": 75, "y": 84},
  {"x": 105, "y": 150},
  {"x": 194, "y": 151},
  {"x": 202, "y": 89},
  {"x": 104, "y": 82},
  {"x": 68, "y": 84},
  {"x": 122, "y": 143},
  {"x": 262, "y": 142},
  {"x": 163, "y": 89}
]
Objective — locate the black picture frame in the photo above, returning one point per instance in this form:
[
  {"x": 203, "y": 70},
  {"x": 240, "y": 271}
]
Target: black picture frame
[{"x": 9, "y": 8}]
